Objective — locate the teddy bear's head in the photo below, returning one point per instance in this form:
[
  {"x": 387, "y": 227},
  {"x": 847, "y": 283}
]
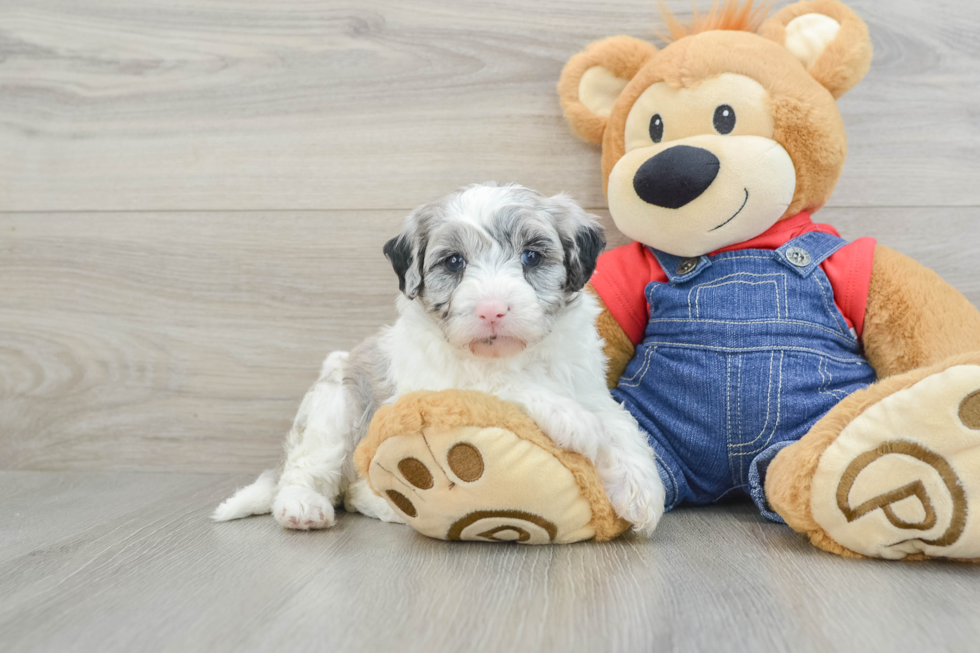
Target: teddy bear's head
[{"x": 713, "y": 139}]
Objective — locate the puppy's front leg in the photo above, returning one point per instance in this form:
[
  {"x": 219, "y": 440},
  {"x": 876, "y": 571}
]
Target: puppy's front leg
[
  {"x": 317, "y": 450},
  {"x": 627, "y": 466},
  {"x": 566, "y": 422},
  {"x": 610, "y": 438}
]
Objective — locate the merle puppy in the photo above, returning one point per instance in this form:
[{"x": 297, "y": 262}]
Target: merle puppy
[{"x": 491, "y": 278}]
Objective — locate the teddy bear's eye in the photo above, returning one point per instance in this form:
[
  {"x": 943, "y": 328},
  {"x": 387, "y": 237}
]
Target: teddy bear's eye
[
  {"x": 724, "y": 119},
  {"x": 657, "y": 128}
]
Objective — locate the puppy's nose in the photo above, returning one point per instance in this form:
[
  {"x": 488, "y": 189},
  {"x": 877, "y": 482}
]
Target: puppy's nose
[
  {"x": 676, "y": 176},
  {"x": 491, "y": 311}
]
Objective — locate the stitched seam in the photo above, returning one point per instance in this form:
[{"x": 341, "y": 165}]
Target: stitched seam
[
  {"x": 697, "y": 296},
  {"x": 717, "y": 259},
  {"x": 739, "y": 397},
  {"x": 826, "y": 301},
  {"x": 837, "y": 394},
  {"x": 728, "y": 411},
  {"x": 641, "y": 373},
  {"x": 673, "y": 479},
  {"x": 765, "y": 425},
  {"x": 785, "y": 297},
  {"x": 856, "y": 360},
  {"x": 779, "y": 405},
  {"x": 836, "y": 334},
  {"x": 744, "y": 274},
  {"x": 823, "y": 377}
]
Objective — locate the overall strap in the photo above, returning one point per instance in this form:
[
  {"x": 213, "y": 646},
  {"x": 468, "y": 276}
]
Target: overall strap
[
  {"x": 805, "y": 253},
  {"x": 679, "y": 268}
]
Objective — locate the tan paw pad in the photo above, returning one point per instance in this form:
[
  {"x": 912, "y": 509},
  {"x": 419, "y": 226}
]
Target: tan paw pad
[
  {"x": 902, "y": 477},
  {"x": 482, "y": 484}
]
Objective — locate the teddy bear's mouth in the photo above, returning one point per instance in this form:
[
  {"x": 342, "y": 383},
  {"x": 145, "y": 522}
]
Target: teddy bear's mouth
[{"x": 744, "y": 202}]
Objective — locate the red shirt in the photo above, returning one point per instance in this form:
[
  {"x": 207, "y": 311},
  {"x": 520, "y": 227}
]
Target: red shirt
[{"x": 622, "y": 274}]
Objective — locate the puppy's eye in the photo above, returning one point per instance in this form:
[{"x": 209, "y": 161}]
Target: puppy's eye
[
  {"x": 657, "y": 128},
  {"x": 724, "y": 119},
  {"x": 455, "y": 263},
  {"x": 530, "y": 258}
]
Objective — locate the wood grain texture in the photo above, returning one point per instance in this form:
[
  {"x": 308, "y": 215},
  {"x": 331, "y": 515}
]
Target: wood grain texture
[
  {"x": 184, "y": 342},
  {"x": 193, "y": 199},
  {"x": 382, "y": 104},
  {"x": 129, "y": 562}
]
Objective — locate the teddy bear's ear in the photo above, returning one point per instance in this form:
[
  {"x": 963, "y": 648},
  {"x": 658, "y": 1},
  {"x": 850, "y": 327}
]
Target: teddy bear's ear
[
  {"x": 828, "y": 38},
  {"x": 592, "y": 80}
]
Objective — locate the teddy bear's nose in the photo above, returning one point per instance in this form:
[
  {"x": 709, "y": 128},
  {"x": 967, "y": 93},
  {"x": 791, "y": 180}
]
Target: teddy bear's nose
[{"x": 676, "y": 176}]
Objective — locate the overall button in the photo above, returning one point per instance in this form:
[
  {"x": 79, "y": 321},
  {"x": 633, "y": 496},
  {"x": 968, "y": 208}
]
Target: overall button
[
  {"x": 687, "y": 265},
  {"x": 798, "y": 256}
]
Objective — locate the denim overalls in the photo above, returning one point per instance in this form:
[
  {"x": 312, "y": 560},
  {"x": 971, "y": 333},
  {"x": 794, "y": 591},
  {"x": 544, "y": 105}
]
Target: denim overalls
[{"x": 743, "y": 353}]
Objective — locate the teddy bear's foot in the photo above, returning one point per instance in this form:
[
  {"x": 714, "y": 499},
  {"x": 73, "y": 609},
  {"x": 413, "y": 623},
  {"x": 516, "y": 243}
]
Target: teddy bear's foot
[
  {"x": 458, "y": 465},
  {"x": 902, "y": 477}
]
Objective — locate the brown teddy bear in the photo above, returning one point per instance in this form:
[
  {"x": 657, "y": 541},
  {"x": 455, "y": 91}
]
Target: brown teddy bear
[{"x": 837, "y": 384}]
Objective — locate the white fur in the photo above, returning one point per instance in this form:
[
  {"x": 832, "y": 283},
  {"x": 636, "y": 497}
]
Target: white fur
[
  {"x": 559, "y": 382},
  {"x": 558, "y": 379},
  {"x": 254, "y": 499}
]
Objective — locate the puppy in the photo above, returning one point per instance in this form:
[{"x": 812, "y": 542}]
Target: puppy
[{"x": 491, "y": 278}]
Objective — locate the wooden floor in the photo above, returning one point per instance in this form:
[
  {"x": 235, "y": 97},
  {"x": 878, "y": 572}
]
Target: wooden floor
[
  {"x": 193, "y": 199},
  {"x": 130, "y": 562}
]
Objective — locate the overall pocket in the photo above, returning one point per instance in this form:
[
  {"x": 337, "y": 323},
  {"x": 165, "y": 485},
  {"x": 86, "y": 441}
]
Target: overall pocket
[
  {"x": 756, "y": 297},
  {"x": 755, "y": 411}
]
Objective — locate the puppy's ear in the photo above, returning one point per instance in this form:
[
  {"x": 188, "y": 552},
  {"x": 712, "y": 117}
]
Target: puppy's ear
[
  {"x": 829, "y": 40},
  {"x": 406, "y": 252},
  {"x": 582, "y": 237},
  {"x": 593, "y": 79}
]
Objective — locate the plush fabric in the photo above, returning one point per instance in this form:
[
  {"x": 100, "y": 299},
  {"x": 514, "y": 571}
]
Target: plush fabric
[
  {"x": 888, "y": 471},
  {"x": 846, "y": 60},
  {"x": 618, "y": 346},
  {"x": 789, "y": 487},
  {"x": 914, "y": 318},
  {"x": 621, "y": 57},
  {"x": 526, "y": 485}
]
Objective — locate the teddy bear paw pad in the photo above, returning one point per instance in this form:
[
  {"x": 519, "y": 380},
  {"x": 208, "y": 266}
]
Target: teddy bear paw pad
[
  {"x": 900, "y": 479},
  {"x": 482, "y": 484}
]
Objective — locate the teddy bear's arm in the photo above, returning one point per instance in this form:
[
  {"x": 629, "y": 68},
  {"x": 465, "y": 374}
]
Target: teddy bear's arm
[
  {"x": 619, "y": 348},
  {"x": 913, "y": 317}
]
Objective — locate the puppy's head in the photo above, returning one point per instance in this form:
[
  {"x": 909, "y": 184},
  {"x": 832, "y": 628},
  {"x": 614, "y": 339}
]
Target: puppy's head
[{"x": 495, "y": 266}]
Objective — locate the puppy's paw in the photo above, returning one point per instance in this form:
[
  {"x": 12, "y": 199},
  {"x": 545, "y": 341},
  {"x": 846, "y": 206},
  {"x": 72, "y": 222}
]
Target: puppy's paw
[
  {"x": 361, "y": 498},
  {"x": 570, "y": 427},
  {"x": 302, "y": 508},
  {"x": 638, "y": 497}
]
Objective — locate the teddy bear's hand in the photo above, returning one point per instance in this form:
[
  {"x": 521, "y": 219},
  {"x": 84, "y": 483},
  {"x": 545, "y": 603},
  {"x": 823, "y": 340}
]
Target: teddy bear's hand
[{"x": 462, "y": 465}]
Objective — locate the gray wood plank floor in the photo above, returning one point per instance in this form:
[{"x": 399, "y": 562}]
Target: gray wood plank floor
[{"x": 129, "y": 562}]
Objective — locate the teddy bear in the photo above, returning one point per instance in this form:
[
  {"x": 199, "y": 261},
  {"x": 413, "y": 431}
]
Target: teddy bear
[{"x": 835, "y": 383}]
